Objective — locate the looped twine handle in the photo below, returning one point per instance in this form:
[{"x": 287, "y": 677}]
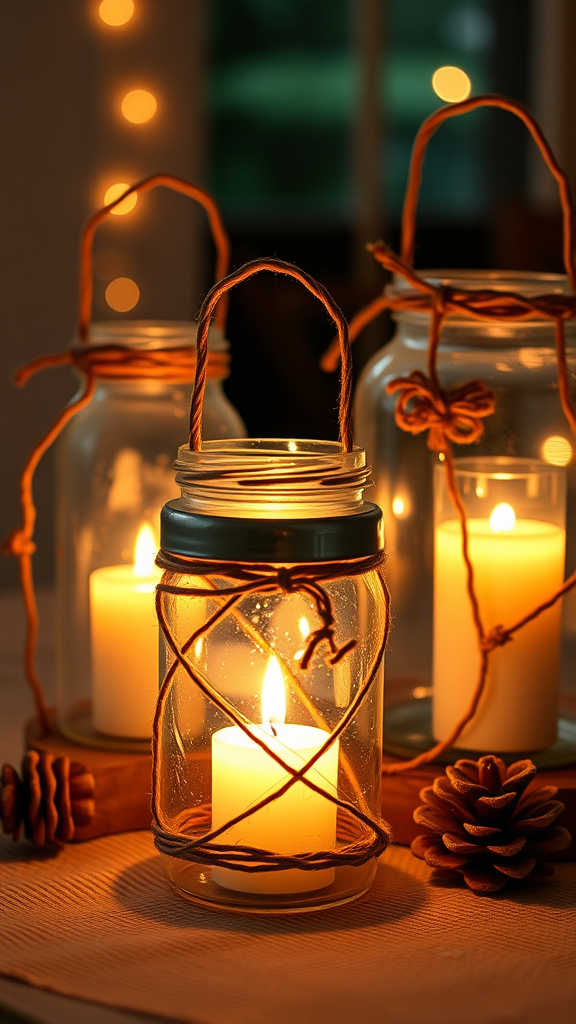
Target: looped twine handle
[
  {"x": 209, "y": 308},
  {"x": 187, "y": 188},
  {"x": 425, "y": 133},
  {"x": 482, "y": 304}
]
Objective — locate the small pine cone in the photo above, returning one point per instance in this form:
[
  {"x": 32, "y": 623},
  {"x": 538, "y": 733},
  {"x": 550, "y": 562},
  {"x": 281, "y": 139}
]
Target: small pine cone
[
  {"x": 487, "y": 828},
  {"x": 53, "y": 796}
]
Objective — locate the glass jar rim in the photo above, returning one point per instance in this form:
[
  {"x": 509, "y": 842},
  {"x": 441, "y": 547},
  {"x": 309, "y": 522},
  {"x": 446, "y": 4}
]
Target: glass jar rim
[
  {"x": 503, "y": 467},
  {"x": 147, "y": 335},
  {"x": 271, "y": 477},
  {"x": 522, "y": 282}
]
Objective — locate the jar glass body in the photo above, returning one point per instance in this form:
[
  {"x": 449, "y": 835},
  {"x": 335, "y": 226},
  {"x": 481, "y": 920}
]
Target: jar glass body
[
  {"x": 518, "y": 362},
  {"x": 206, "y": 771},
  {"x": 113, "y": 466}
]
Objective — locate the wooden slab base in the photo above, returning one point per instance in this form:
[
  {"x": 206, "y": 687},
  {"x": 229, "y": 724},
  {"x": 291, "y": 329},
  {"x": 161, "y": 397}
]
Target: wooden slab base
[{"x": 123, "y": 782}]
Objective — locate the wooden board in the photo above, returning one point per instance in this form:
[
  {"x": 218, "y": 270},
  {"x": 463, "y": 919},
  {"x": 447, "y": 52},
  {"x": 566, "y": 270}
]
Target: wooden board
[{"x": 123, "y": 783}]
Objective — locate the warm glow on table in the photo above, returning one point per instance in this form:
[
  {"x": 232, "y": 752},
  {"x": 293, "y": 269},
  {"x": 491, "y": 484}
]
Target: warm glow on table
[
  {"x": 517, "y": 563},
  {"x": 116, "y": 12},
  {"x": 122, "y": 294},
  {"x": 124, "y": 635},
  {"x": 138, "y": 106},
  {"x": 451, "y": 84},
  {"x": 114, "y": 192},
  {"x": 297, "y": 822}
]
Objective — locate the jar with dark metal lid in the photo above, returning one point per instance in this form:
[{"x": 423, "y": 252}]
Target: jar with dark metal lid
[{"x": 274, "y": 616}]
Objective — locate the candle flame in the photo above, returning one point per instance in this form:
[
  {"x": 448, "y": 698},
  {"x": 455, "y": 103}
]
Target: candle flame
[
  {"x": 273, "y": 695},
  {"x": 145, "y": 551},
  {"x": 502, "y": 518}
]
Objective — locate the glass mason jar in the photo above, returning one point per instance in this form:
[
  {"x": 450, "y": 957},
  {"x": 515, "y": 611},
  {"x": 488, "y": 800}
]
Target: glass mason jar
[
  {"x": 271, "y": 556},
  {"x": 113, "y": 474},
  {"x": 518, "y": 362}
]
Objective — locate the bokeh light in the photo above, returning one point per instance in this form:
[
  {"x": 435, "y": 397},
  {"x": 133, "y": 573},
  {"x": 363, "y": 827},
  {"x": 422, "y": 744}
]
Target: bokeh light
[
  {"x": 451, "y": 84},
  {"x": 122, "y": 294},
  {"x": 116, "y": 12},
  {"x": 138, "y": 106},
  {"x": 116, "y": 190},
  {"x": 557, "y": 451}
]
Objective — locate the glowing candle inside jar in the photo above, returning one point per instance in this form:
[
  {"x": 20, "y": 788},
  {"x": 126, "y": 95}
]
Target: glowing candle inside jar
[
  {"x": 517, "y": 564},
  {"x": 300, "y": 821},
  {"x": 124, "y": 634}
]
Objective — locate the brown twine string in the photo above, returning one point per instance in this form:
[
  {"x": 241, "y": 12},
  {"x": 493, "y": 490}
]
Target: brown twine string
[
  {"x": 455, "y": 415},
  {"x": 108, "y": 362},
  {"x": 249, "y": 579},
  {"x": 210, "y": 305}
]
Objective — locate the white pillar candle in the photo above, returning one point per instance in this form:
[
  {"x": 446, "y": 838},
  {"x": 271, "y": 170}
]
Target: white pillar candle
[
  {"x": 124, "y": 636},
  {"x": 300, "y": 821},
  {"x": 517, "y": 565}
]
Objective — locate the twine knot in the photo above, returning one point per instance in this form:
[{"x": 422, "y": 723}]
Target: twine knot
[
  {"x": 18, "y": 543},
  {"x": 440, "y": 300},
  {"x": 285, "y": 581},
  {"x": 452, "y": 414},
  {"x": 497, "y": 637}
]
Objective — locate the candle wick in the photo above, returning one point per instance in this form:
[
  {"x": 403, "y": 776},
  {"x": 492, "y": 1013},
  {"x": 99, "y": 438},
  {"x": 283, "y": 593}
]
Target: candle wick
[{"x": 273, "y": 730}]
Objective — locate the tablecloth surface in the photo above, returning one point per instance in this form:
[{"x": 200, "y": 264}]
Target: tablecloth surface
[{"x": 99, "y": 921}]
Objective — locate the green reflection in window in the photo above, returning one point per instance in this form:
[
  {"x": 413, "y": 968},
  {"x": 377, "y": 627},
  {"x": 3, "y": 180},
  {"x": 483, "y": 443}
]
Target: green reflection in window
[{"x": 283, "y": 96}]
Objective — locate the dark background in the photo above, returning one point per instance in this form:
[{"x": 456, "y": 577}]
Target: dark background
[{"x": 299, "y": 115}]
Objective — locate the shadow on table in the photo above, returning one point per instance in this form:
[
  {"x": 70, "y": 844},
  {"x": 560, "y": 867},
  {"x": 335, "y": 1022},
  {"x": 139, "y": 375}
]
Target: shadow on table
[
  {"x": 145, "y": 891},
  {"x": 556, "y": 891}
]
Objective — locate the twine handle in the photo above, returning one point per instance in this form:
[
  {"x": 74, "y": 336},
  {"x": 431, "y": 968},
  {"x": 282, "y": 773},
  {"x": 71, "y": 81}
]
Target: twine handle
[
  {"x": 207, "y": 310},
  {"x": 425, "y": 133},
  {"x": 205, "y": 200}
]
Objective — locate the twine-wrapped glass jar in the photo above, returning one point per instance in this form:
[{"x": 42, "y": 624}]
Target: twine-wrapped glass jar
[
  {"x": 267, "y": 737},
  {"x": 518, "y": 362},
  {"x": 113, "y": 476},
  {"x": 485, "y": 360}
]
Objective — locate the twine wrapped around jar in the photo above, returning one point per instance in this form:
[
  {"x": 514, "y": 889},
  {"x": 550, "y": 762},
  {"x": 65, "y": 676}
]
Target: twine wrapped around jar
[
  {"x": 455, "y": 415},
  {"x": 173, "y": 365},
  {"x": 192, "y": 837}
]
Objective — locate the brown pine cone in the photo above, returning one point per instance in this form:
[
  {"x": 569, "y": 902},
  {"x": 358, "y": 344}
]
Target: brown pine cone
[
  {"x": 487, "y": 830},
  {"x": 53, "y": 796}
]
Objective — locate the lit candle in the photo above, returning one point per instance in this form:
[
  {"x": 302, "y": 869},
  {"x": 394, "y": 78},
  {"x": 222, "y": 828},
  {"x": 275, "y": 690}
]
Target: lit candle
[
  {"x": 124, "y": 634},
  {"x": 517, "y": 564},
  {"x": 297, "y": 822}
]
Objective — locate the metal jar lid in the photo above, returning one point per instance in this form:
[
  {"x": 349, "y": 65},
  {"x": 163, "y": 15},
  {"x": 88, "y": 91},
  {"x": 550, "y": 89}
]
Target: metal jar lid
[{"x": 225, "y": 538}]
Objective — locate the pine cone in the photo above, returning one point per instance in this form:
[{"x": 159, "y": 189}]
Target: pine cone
[
  {"x": 488, "y": 831},
  {"x": 50, "y": 800}
]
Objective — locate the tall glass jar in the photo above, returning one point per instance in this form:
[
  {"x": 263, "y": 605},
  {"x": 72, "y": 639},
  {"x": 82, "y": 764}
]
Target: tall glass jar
[
  {"x": 270, "y": 546},
  {"x": 518, "y": 362},
  {"x": 113, "y": 476}
]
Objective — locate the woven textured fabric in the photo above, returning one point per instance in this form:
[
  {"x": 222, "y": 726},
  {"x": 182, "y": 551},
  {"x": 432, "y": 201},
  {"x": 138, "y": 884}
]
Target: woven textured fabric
[{"x": 99, "y": 921}]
